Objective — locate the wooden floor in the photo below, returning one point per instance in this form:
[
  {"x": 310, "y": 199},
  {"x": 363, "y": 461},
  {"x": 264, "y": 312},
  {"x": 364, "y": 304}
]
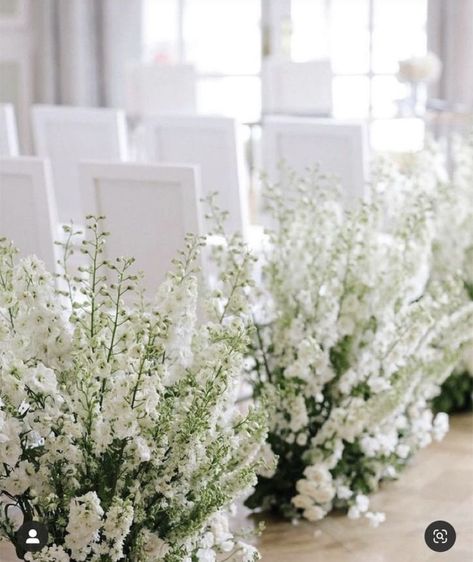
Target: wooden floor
[{"x": 438, "y": 486}]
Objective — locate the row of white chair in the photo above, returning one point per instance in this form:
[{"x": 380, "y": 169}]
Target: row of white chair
[
  {"x": 35, "y": 199},
  {"x": 68, "y": 135},
  {"x": 149, "y": 209}
]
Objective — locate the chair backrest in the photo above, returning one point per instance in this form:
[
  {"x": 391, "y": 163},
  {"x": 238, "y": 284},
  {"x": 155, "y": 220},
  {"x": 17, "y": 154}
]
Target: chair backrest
[
  {"x": 297, "y": 88},
  {"x": 68, "y": 135},
  {"x": 214, "y": 144},
  {"x": 339, "y": 147},
  {"x": 149, "y": 208},
  {"x": 27, "y": 207},
  {"x": 154, "y": 89},
  {"x": 8, "y": 131}
]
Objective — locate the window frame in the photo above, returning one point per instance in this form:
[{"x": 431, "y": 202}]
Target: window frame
[{"x": 371, "y": 74}]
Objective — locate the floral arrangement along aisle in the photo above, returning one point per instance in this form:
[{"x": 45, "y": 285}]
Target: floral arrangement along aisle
[
  {"x": 453, "y": 243},
  {"x": 453, "y": 251},
  {"x": 119, "y": 428},
  {"x": 350, "y": 348}
]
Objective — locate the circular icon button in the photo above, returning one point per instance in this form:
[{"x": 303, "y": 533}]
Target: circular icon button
[
  {"x": 32, "y": 536},
  {"x": 440, "y": 536}
]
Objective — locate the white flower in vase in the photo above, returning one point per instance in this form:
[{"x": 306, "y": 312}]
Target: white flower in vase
[{"x": 418, "y": 71}]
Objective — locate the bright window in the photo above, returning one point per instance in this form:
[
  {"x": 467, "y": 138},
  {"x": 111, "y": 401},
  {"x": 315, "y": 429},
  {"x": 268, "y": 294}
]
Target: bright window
[
  {"x": 160, "y": 30},
  {"x": 222, "y": 38},
  {"x": 310, "y": 33},
  {"x": 365, "y": 39}
]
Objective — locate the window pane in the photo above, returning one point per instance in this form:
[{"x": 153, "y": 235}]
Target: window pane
[
  {"x": 351, "y": 97},
  {"x": 310, "y": 37},
  {"x": 400, "y": 14},
  {"x": 386, "y": 91},
  {"x": 236, "y": 97},
  {"x": 350, "y": 13},
  {"x": 350, "y": 51},
  {"x": 160, "y": 30},
  {"x": 399, "y": 32},
  {"x": 223, "y": 36},
  {"x": 349, "y": 36},
  {"x": 388, "y": 50}
]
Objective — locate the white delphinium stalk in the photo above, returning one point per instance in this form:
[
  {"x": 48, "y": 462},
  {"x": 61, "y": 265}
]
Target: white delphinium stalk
[
  {"x": 453, "y": 242},
  {"x": 350, "y": 346},
  {"x": 453, "y": 248},
  {"x": 119, "y": 423}
]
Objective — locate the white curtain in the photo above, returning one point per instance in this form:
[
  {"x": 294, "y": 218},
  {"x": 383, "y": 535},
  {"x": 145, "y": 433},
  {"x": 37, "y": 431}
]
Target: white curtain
[
  {"x": 450, "y": 30},
  {"x": 82, "y": 49}
]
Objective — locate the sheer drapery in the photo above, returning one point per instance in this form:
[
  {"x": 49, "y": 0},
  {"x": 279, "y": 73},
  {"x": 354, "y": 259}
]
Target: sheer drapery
[
  {"x": 450, "y": 29},
  {"x": 82, "y": 48}
]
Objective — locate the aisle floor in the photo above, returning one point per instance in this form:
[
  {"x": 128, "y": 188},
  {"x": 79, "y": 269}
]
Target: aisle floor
[{"x": 437, "y": 486}]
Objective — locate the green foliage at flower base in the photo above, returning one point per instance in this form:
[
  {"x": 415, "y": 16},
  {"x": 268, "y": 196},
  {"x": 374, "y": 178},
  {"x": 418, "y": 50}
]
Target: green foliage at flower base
[{"x": 456, "y": 394}]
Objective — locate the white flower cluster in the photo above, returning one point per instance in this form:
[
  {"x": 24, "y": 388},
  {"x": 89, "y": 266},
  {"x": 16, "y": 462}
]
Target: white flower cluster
[
  {"x": 425, "y": 68},
  {"x": 453, "y": 243},
  {"x": 351, "y": 343},
  {"x": 453, "y": 250},
  {"x": 119, "y": 423}
]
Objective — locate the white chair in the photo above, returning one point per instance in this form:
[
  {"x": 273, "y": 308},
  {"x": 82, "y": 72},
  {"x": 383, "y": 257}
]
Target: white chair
[
  {"x": 8, "y": 131},
  {"x": 339, "y": 147},
  {"x": 154, "y": 89},
  {"x": 148, "y": 208},
  {"x": 27, "y": 207},
  {"x": 68, "y": 135},
  {"x": 297, "y": 88},
  {"x": 214, "y": 144}
]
